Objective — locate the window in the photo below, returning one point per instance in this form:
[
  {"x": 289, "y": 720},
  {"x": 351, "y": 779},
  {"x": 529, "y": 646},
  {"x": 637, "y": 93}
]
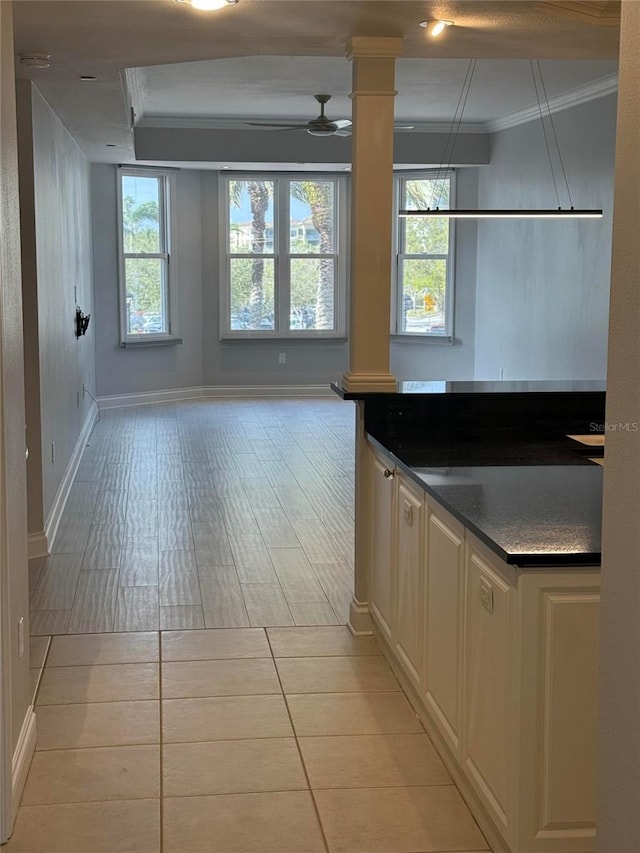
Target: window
[
  {"x": 424, "y": 263},
  {"x": 283, "y": 258},
  {"x": 146, "y": 279}
]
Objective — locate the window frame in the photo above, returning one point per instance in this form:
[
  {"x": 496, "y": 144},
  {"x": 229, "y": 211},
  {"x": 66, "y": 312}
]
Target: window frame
[
  {"x": 399, "y": 231},
  {"x": 167, "y": 230},
  {"x": 282, "y": 256}
]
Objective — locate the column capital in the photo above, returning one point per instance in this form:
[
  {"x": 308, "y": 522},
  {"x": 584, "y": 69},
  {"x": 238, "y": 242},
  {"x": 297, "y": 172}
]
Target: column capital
[{"x": 373, "y": 47}]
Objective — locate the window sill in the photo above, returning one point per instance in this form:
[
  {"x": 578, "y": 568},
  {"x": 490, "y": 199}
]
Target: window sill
[
  {"x": 257, "y": 337},
  {"x": 408, "y": 337},
  {"x": 164, "y": 341}
]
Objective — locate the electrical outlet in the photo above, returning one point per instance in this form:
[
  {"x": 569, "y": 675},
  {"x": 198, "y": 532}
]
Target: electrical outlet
[
  {"x": 21, "y": 637},
  {"x": 502, "y": 373},
  {"x": 486, "y": 595},
  {"x": 84, "y": 390},
  {"x": 78, "y": 398},
  {"x": 282, "y": 358},
  {"x": 53, "y": 451}
]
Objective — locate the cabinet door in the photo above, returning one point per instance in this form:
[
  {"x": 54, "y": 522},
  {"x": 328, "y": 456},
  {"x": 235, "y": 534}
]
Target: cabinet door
[
  {"x": 409, "y": 613},
  {"x": 489, "y": 688},
  {"x": 444, "y": 577},
  {"x": 382, "y": 515}
]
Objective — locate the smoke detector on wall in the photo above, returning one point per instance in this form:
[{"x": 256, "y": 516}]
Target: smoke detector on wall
[{"x": 35, "y": 60}]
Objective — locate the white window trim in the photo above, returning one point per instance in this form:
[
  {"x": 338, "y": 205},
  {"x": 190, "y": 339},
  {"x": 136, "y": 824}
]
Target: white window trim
[
  {"x": 168, "y": 223},
  {"x": 280, "y": 255},
  {"x": 396, "y": 290}
]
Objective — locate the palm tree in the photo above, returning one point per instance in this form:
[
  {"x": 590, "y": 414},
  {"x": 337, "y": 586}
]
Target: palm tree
[
  {"x": 318, "y": 196},
  {"x": 259, "y": 193}
]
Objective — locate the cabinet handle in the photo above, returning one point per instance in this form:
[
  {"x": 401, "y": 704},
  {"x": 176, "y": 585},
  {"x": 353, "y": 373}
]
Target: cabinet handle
[
  {"x": 388, "y": 473},
  {"x": 407, "y": 511}
]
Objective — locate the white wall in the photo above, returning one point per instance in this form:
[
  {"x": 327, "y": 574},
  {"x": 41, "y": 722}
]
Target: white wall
[
  {"x": 64, "y": 276},
  {"x": 542, "y": 289}
]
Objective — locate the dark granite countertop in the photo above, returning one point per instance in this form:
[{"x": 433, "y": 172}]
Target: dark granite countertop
[
  {"x": 429, "y": 387},
  {"x": 533, "y": 506}
]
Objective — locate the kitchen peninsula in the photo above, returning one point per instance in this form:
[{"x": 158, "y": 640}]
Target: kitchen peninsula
[{"x": 483, "y": 551}]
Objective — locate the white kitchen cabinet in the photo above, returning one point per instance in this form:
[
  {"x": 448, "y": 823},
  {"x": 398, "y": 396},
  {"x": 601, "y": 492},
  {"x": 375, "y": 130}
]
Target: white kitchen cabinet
[
  {"x": 488, "y": 691},
  {"x": 443, "y": 628},
  {"x": 382, "y": 574},
  {"x": 500, "y": 664},
  {"x": 409, "y": 616}
]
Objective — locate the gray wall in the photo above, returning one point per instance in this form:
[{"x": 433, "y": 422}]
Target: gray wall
[
  {"x": 267, "y": 146},
  {"x": 14, "y": 576},
  {"x": 411, "y": 359},
  {"x": 543, "y": 285},
  {"x": 138, "y": 369},
  {"x": 64, "y": 274},
  {"x": 35, "y": 507},
  {"x": 202, "y": 359}
]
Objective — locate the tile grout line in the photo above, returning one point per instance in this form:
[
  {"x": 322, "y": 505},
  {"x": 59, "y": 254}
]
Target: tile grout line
[
  {"x": 161, "y": 739},
  {"x": 295, "y": 735}
]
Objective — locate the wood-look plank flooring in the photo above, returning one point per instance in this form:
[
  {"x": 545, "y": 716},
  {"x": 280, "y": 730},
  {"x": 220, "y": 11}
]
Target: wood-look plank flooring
[{"x": 207, "y": 513}]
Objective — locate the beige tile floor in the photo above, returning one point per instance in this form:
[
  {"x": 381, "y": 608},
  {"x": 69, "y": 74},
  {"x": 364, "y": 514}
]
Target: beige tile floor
[
  {"x": 205, "y": 513},
  {"x": 284, "y": 740}
]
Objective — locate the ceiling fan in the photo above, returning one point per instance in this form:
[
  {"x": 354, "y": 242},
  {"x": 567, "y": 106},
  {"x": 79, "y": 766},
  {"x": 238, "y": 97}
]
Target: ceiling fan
[{"x": 320, "y": 126}]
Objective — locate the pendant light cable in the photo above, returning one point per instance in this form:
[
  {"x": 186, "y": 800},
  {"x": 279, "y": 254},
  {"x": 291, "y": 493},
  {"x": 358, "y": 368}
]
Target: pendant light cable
[
  {"x": 452, "y": 138},
  {"x": 555, "y": 135},
  {"x": 544, "y": 130}
]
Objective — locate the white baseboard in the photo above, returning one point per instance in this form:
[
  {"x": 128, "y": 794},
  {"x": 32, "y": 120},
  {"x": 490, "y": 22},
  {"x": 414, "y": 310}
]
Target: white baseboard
[
  {"x": 57, "y": 508},
  {"x": 37, "y": 545},
  {"x": 22, "y": 760},
  {"x": 171, "y": 395},
  {"x": 360, "y": 622}
]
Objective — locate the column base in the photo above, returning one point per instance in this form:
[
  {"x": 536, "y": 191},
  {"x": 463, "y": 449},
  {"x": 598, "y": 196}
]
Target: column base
[
  {"x": 360, "y": 622},
  {"x": 369, "y": 382}
]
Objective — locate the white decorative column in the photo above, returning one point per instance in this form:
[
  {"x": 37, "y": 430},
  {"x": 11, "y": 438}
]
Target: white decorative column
[
  {"x": 371, "y": 212},
  {"x": 371, "y": 242},
  {"x": 619, "y": 754}
]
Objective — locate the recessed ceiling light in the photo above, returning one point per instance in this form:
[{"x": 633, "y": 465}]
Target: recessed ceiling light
[
  {"x": 208, "y": 5},
  {"x": 88, "y": 77},
  {"x": 436, "y": 28},
  {"x": 35, "y": 60}
]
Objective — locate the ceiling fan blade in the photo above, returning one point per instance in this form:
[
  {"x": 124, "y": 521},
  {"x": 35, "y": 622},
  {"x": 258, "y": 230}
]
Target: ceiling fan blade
[
  {"x": 342, "y": 133},
  {"x": 403, "y": 127},
  {"x": 342, "y": 123},
  {"x": 276, "y": 124}
]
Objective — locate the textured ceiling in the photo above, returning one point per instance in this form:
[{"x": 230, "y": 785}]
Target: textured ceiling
[
  {"x": 282, "y": 87},
  {"x": 103, "y": 38}
]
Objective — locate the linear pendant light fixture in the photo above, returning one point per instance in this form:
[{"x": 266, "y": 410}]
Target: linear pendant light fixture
[
  {"x": 551, "y": 213},
  {"x": 517, "y": 213}
]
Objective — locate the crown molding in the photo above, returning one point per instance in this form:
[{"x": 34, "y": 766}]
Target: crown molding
[
  {"x": 572, "y": 98},
  {"x": 209, "y": 123},
  {"x": 603, "y": 12}
]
